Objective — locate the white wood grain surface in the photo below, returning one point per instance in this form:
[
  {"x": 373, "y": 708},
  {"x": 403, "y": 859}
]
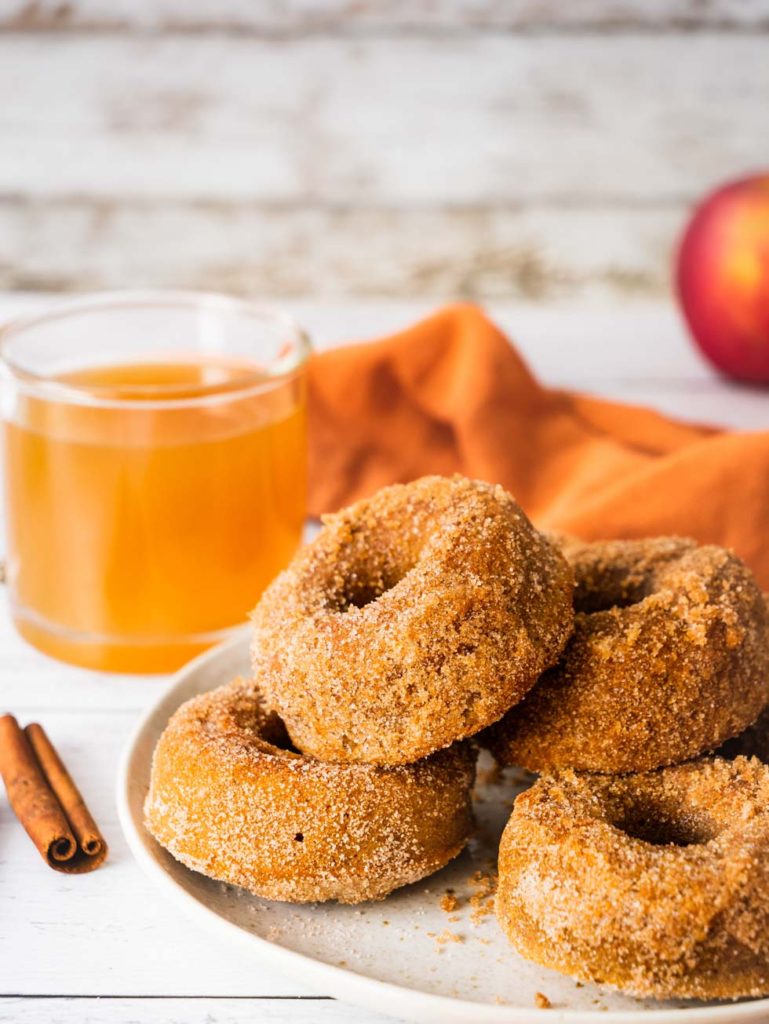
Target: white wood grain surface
[
  {"x": 483, "y": 162},
  {"x": 262, "y": 16},
  {"x": 478, "y": 120},
  {"x": 104, "y": 947}
]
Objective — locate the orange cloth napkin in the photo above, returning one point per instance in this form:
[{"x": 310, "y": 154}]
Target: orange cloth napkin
[{"x": 451, "y": 395}]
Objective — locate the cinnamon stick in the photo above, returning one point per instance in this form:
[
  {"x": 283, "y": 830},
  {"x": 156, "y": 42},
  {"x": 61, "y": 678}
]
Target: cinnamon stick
[{"x": 46, "y": 800}]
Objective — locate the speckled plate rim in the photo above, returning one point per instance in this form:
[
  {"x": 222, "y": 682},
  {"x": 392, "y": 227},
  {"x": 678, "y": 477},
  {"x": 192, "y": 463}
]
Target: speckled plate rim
[{"x": 327, "y": 979}]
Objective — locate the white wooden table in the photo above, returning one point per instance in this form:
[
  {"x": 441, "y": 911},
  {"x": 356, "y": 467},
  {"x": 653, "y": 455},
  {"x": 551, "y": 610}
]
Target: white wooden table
[{"x": 105, "y": 946}]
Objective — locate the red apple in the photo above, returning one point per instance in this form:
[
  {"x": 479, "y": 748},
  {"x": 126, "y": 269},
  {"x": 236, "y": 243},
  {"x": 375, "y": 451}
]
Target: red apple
[{"x": 723, "y": 278}]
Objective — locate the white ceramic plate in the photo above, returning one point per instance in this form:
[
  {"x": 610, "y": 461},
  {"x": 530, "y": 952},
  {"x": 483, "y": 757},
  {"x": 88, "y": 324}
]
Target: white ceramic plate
[{"x": 406, "y": 955}]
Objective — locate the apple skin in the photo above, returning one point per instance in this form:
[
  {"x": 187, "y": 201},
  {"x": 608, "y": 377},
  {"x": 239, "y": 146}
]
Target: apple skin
[{"x": 723, "y": 278}]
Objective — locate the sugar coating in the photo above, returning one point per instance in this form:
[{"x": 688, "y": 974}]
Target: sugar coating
[
  {"x": 228, "y": 799},
  {"x": 656, "y": 883},
  {"x": 669, "y": 658},
  {"x": 414, "y": 619}
]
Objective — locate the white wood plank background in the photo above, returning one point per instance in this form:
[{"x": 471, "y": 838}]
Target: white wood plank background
[
  {"x": 346, "y": 16},
  {"x": 547, "y": 151},
  {"x": 103, "y": 947}
]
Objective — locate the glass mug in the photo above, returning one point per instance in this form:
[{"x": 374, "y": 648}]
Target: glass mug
[{"x": 155, "y": 458}]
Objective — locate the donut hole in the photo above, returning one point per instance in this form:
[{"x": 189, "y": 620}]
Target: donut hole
[
  {"x": 603, "y": 603},
  {"x": 656, "y": 825},
  {"x": 365, "y": 593},
  {"x": 610, "y": 590},
  {"x": 624, "y": 573},
  {"x": 248, "y": 718},
  {"x": 367, "y": 583},
  {"x": 274, "y": 732},
  {"x": 374, "y": 560}
]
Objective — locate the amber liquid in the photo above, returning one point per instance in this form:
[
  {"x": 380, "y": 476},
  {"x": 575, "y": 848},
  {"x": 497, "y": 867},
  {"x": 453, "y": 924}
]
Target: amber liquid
[{"x": 139, "y": 534}]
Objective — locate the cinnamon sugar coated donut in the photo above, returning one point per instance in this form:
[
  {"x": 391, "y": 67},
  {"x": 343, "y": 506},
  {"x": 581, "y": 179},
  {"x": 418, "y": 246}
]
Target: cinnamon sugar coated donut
[
  {"x": 414, "y": 619},
  {"x": 669, "y": 658},
  {"x": 228, "y": 799},
  {"x": 657, "y": 883}
]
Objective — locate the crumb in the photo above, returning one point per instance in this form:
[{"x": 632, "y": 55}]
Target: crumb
[
  {"x": 447, "y": 936},
  {"x": 480, "y": 912},
  {"x": 541, "y": 1001},
  {"x": 449, "y": 902},
  {"x": 482, "y": 900}
]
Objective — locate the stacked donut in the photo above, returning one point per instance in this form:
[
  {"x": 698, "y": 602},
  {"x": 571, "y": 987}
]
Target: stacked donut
[
  {"x": 628, "y": 862},
  {"x": 433, "y": 613},
  {"x": 342, "y": 771}
]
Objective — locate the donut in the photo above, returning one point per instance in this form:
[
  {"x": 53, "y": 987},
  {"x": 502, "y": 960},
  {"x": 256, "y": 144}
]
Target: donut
[
  {"x": 657, "y": 884},
  {"x": 414, "y": 619},
  {"x": 231, "y": 799},
  {"x": 669, "y": 658}
]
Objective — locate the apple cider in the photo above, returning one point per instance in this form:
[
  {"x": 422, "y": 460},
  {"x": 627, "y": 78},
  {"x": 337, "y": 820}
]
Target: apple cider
[{"x": 145, "y": 519}]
